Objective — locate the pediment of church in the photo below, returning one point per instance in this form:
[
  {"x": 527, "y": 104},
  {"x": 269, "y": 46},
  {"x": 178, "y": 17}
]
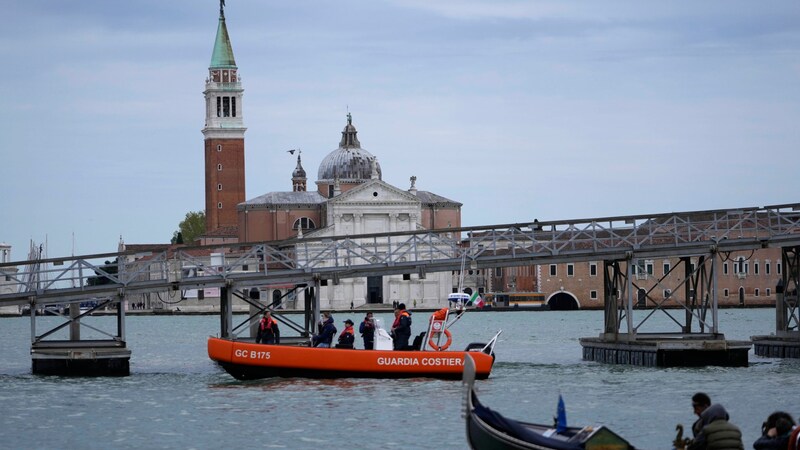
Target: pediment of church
[{"x": 374, "y": 192}]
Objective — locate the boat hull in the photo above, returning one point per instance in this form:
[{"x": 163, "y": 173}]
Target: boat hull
[{"x": 247, "y": 361}]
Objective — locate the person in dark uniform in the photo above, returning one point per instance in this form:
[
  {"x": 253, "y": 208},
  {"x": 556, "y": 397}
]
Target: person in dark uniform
[
  {"x": 268, "y": 332},
  {"x": 401, "y": 328},
  {"x": 325, "y": 336},
  {"x": 367, "y": 330},
  {"x": 348, "y": 336}
]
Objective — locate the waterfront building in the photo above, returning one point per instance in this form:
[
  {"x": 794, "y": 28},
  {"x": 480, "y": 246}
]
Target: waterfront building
[
  {"x": 351, "y": 199},
  {"x": 743, "y": 279},
  {"x": 7, "y": 282}
]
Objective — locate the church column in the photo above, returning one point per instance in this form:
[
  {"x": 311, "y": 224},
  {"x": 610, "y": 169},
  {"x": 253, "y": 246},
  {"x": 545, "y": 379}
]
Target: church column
[
  {"x": 392, "y": 222},
  {"x": 357, "y": 225}
]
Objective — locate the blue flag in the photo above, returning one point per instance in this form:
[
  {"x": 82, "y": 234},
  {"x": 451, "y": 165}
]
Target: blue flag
[{"x": 561, "y": 418}]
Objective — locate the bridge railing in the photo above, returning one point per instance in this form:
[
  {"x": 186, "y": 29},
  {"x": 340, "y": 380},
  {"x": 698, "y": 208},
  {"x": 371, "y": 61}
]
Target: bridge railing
[{"x": 178, "y": 267}]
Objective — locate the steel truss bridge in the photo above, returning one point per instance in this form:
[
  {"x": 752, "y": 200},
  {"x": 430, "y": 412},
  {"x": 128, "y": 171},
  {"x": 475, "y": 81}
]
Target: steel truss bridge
[{"x": 695, "y": 238}]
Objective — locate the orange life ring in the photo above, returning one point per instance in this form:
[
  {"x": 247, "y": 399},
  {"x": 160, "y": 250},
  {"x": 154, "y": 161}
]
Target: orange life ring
[
  {"x": 446, "y": 344},
  {"x": 794, "y": 438}
]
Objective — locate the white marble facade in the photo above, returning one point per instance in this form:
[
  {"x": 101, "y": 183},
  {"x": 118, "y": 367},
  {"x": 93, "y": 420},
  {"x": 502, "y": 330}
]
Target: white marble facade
[{"x": 378, "y": 207}]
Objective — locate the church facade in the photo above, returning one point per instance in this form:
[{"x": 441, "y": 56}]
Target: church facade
[{"x": 350, "y": 198}]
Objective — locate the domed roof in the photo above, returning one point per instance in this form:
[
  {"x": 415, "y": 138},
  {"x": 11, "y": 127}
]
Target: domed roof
[{"x": 349, "y": 163}]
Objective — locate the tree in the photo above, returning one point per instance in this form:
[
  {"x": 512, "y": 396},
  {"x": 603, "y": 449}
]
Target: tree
[{"x": 190, "y": 228}]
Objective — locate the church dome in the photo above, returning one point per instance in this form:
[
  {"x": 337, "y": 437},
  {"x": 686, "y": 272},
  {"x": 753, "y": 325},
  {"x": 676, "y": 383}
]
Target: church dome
[{"x": 349, "y": 163}]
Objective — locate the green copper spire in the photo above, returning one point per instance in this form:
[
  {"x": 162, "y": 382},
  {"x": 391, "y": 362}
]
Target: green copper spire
[{"x": 222, "y": 57}]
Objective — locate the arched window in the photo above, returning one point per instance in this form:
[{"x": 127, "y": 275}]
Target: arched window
[{"x": 304, "y": 223}]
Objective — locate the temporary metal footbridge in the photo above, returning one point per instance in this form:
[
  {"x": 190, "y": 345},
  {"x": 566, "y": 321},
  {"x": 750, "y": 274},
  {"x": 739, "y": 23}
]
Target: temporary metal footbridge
[{"x": 316, "y": 261}]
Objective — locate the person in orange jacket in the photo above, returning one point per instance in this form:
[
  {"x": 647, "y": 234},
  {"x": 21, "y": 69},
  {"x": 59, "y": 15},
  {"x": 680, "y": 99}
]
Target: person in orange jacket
[{"x": 268, "y": 332}]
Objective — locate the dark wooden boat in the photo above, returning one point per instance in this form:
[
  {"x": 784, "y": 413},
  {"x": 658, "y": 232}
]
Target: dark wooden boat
[{"x": 489, "y": 430}]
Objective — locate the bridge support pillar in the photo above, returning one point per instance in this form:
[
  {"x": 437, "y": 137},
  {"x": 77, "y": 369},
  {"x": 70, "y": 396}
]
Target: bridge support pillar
[
  {"x": 785, "y": 343},
  {"x": 76, "y": 357},
  {"x": 684, "y": 348}
]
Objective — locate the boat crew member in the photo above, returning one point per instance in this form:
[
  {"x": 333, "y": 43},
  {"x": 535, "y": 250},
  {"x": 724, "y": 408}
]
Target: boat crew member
[
  {"x": 325, "y": 336},
  {"x": 268, "y": 332},
  {"x": 367, "y": 330},
  {"x": 401, "y": 328},
  {"x": 348, "y": 336}
]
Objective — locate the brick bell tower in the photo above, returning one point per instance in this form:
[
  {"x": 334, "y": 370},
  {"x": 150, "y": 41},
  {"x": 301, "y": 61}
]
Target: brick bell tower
[{"x": 224, "y": 136}]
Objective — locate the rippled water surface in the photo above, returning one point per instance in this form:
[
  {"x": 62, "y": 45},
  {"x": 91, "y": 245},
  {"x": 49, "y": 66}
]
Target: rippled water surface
[{"x": 177, "y": 398}]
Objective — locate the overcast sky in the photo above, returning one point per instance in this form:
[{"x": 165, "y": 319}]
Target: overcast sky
[{"x": 517, "y": 109}]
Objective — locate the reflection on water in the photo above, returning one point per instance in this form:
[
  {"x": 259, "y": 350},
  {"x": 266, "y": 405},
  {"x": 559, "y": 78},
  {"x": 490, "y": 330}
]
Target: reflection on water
[{"x": 177, "y": 398}]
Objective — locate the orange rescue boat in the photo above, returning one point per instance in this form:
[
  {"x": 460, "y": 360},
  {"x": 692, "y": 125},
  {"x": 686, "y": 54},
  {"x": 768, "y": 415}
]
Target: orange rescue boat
[{"x": 246, "y": 360}]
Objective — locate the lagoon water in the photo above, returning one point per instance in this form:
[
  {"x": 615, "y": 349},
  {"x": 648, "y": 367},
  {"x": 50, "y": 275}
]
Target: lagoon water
[{"x": 176, "y": 397}]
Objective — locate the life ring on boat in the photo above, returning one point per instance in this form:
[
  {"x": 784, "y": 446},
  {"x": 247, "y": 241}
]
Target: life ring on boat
[{"x": 446, "y": 344}]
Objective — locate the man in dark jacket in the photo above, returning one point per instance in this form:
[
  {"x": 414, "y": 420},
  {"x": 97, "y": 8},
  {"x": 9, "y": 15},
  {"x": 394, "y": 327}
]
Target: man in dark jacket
[
  {"x": 401, "y": 328},
  {"x": 325, "y": 336},
  {"x": 700, "y": 402},
  {"x": 367, "y": 330},
  {"x": 716, "y": 432}
]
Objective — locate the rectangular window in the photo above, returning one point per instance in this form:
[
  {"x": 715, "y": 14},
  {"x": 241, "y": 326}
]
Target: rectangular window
[
  {"x": 233, "y": 106},
  {"x": 649, "y": 267},
  {"x": 755, "y": 268},
  {"x": 768, "y": 292},
  {"x": 592, "y": 269},
  {"x": 498, "y": 271},
  {"x": 667, "y": 293},
  {"x": 767, "y": 267},
  {"x": 725, "y": 268},
  {"x": 725, "y": 293},
  {"x": 593, "y": 295},
  {"x": 226, "y": 106},
  {"x": 778, "y": 267},
  {"x": 666, "y": 268},
  {"x": 553, "y": 271},
  {"x": 219, "y": 106},
  {"x": 570, "y": 270}
]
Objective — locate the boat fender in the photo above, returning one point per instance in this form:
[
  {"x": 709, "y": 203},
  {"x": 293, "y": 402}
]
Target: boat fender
[{"x": 446, "y": 344}]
